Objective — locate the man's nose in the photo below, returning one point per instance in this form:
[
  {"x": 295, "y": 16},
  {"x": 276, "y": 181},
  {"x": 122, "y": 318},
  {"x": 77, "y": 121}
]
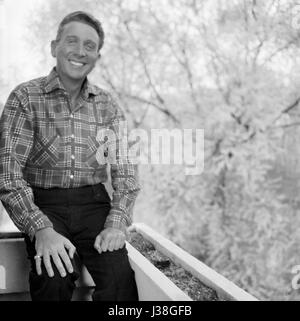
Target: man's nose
[{"x": 80, "y": 50}]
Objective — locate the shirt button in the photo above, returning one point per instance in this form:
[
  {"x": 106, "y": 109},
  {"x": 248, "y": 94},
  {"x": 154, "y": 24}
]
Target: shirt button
[
  {"x": 72, "y": 116},
  {"x": 72, "y": 136},
  {"x": 72, "y": 156},
  {"x": 71, "y": 176}
]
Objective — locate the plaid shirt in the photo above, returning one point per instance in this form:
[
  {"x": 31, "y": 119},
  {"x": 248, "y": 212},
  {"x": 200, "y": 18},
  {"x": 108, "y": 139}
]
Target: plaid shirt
[{"x": 44, "y": 143}]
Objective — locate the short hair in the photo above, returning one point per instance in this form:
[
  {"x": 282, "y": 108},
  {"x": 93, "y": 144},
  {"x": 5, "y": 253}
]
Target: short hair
[{"x": 83, "y": 17}]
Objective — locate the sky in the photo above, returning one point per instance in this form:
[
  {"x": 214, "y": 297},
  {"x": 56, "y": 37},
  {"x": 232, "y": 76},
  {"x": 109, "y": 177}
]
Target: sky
[{"x": 14, "y": 50}]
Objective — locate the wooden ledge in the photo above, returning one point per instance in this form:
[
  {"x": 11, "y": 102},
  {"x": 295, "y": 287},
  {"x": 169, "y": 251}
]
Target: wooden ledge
[
  {"x": 152, "y": 284},
  {"x": 224, "y": 287},
  {"x": 11, "y": 235}
]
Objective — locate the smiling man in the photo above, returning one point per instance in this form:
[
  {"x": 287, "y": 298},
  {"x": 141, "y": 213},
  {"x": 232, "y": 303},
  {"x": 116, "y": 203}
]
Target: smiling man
[{"x": 51, "y": 180}]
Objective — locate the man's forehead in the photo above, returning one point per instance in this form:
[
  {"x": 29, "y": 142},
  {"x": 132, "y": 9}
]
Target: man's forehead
[{"x": 79, "y": 28}]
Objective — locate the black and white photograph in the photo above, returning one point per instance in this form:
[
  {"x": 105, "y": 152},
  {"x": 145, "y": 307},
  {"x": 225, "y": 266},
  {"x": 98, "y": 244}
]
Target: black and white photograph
[{"x": 149, "y": 151}]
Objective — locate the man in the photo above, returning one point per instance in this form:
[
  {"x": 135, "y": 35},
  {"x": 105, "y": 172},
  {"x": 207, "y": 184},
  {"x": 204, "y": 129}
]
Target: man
[{"x": 51, "y": 177}]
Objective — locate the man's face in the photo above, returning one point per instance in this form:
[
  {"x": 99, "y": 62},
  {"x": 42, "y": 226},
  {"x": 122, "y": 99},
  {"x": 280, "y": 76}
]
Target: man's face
[{"x": 76, "y": 52}]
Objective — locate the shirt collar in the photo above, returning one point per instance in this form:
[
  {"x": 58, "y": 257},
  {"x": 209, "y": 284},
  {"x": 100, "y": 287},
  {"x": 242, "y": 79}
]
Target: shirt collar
[
  {"x": 53, "y": 82},
  {"x": 89, "y": 89}
]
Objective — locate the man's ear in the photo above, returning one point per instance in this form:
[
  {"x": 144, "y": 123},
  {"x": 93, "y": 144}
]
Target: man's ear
[
  {"x": 53, "y": 48},
  {"x": 99, "y": 56}
]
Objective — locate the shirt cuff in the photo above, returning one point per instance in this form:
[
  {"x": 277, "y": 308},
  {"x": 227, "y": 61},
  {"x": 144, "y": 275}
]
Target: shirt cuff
[
  {"x": 116, "y": 220},
  {"x": 36, "y": 221}
]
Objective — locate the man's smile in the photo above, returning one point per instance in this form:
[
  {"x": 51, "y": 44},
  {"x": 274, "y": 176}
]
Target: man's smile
[{"x": 76, "y": 63}]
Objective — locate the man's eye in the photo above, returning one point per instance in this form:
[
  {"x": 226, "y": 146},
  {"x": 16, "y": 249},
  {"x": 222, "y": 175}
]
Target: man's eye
[{"x": 90, "y": 47}]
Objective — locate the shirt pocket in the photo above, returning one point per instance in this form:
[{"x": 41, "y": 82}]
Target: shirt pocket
[
  {"x": 96, "y": 154},
  {"x": 45, "y": 151}
]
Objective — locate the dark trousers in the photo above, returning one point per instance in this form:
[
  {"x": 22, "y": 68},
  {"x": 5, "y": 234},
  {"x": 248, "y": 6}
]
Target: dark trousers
[{"x": 79, "y": 214}]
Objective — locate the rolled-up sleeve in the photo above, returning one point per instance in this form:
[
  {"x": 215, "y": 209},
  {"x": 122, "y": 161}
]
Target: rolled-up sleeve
[
  {"x": 16, "y": 140},
  {"x": 124, "y": 174}
]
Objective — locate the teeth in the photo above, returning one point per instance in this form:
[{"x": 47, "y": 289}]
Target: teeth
[{"x": 75, "y": 63}]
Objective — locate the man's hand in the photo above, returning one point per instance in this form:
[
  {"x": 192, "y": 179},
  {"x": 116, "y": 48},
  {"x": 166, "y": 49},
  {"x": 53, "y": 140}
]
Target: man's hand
[
  {"x": 110, "y": 239},
  {"x": 52, "y": 244}
]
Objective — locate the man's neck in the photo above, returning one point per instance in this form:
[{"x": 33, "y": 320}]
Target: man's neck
[{"x": 73, "y": 88}]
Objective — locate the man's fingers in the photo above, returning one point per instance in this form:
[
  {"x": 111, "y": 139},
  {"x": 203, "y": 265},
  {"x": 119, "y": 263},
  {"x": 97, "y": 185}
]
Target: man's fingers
[
  {"x": 97, "y": 243},
  {"x": 59, "y": 265},
  {"x": 119, "y": 242},
  {"x": 112, "y": 244},
  {"x": 47, "y": 263},
  {"x": 122, "y": 241},
  {"x": 38, "y": 261},
  {"x": 66, "y": 260},
  {"x": 116, "y": 243},
  {"x": 104, "y": 244},
  {"x": 109, "y": 240},
  {"x": 71, "y": 249}
]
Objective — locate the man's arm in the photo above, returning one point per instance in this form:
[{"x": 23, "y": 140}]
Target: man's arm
[
  {"x": 124, "y": 178},
  {"x": 16, "y": 140}
]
